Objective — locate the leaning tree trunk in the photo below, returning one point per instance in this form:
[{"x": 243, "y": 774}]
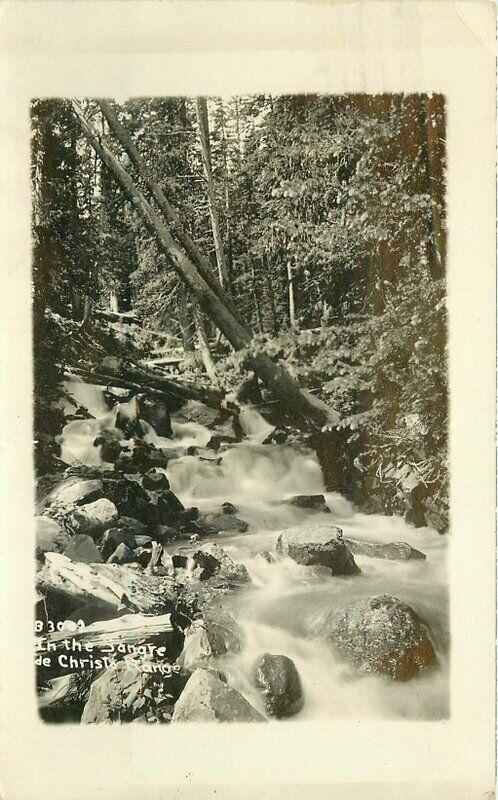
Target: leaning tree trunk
[
  {"x": 275, "y": 377},
  {"x": 203, "y": 122},
  {"x": 181, "y": 235}
]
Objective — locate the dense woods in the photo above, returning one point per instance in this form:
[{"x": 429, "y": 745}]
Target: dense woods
[{"x": 300, "y": 238}]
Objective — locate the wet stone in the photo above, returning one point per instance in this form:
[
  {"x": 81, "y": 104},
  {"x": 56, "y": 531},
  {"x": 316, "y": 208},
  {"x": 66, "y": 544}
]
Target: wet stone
[
  {"x": 83, "y": 549},
  {"x": 382, "y": 635},
  {"x": 278, "y": 680}
]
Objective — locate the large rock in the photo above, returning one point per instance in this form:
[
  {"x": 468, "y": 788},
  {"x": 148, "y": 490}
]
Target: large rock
[
  {"x": 77, "y": 491},
  {"x": 155, "y": 481},
  {"x": 145, "y": 456},
  {"x": 223, "y": 522},
  {"x": 121, "y": 555},
  {"x": 110, "y": 447},
  {"x": 207, "y": 699},
  {"x": 116, "y": 696},
  {"x": 382, "y": 635},
  {"x": 94, "y": 518},
  {"x": 213, "y": 564},
  {"x": 209, "y": 637},
  {"x": 128, "y": 496},
  {"x": 50, "y": 536},
  {"x": 315, "y": 502},
  {"x": 392, "y": 551},
  {"x": 82, "y": 549},
  {"x": 278, "y": 680},
  {"x": 131, "y": 524},
  {"x": 157, "y": 414},
  {"x": 320, "y": 545},
  {"x": 113, "y": 537},
  {"x": 196, "y": 412}
]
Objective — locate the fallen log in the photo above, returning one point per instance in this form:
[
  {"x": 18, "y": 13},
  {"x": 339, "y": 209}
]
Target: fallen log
[
  {"x": 203, "y": 285},
  {"x": 63, "y": 652},
  {"x": 130, "y": 628},
  {"x": 144, "y": 381},
  {"x": 116, "y": 316},
  {"x": 111, "y": 586}
]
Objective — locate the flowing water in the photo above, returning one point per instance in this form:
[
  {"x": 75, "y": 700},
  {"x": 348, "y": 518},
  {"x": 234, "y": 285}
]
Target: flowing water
[{"x": 285, "y": 609}]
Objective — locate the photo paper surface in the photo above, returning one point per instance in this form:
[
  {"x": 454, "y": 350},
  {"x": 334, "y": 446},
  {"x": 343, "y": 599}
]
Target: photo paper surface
[{"x": 249, "y": 464}]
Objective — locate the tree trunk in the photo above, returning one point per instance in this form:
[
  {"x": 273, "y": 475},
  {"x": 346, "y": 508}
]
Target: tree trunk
[
  {"x": 203, "y": 341},
  {"x": 109, "y": 585},
  {"x": 292, "y": 306},
  {"x": 276, "y": 378},
  {"x": 435, "y": 134},
  {"x": 257, "y": 304},
  {"x": 183, "y": 237},
  {"x": 187, "y": 326},
  {"x": 203, "y": 122},
  {"x": 142, "y": 381},
  {"x": 271, "y": 297}
]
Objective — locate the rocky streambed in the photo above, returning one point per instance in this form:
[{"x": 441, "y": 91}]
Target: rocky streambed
[{"x": 192, "y": 567}]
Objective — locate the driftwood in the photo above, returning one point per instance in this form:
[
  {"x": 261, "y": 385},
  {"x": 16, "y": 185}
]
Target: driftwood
[{"x": 109, "y": 585}]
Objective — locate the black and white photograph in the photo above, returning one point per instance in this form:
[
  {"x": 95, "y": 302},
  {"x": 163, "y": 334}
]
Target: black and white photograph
[{"x": 240, "y": 408}]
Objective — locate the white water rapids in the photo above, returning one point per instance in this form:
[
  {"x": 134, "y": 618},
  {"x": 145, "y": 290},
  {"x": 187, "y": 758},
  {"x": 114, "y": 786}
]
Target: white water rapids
[{"x": 283, "y": 610}]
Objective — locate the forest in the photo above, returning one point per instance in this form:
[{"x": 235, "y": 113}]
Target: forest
[{"x": 235, "y": 273}]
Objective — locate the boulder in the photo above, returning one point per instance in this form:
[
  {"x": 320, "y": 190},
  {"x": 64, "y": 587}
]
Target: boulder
[
  {"x": 121, "y": 555},
  {"x": 157, "y": 414},
  {"x": 320, "y": 545},
  {"x": 382, "y": 635},
  {"x": 94, "y": 518},
  {"x": 315, "y": 502},
  {"x": 393, "y": 551},
  {"x": 82, "y": 549},
  {"x": 146, "y": 456},
  {"x": 142, "y": 555},
  {"x": 206, "y": 698},
  {"x": 228, "y": 508},
  {"x": 278, "y": 680},
  {"x": 216, "y": 441},
  {"x": 116, "y": 696},
  {"x": 131, "y": 524},
  {"x": 211, "y": 636},
  {"x": 110, "y": 447},
  {"x": 201, "y": 528},
  {"x": 50, "y": 536},
  {"x": 165, "y": 534},
  {"x": 165, "y": 509},
  {"x": 223, "y": 522},
  {"x": 77, "y": 491},
  {"x": 143, "y": 541},
  {"x": 155, "y": 481},
  {"x": 113, "y": 537},
  {"x": 129, "y": 497},
  {"x": 196, "y": 412},
  {"x": 212, "y": 563}
]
